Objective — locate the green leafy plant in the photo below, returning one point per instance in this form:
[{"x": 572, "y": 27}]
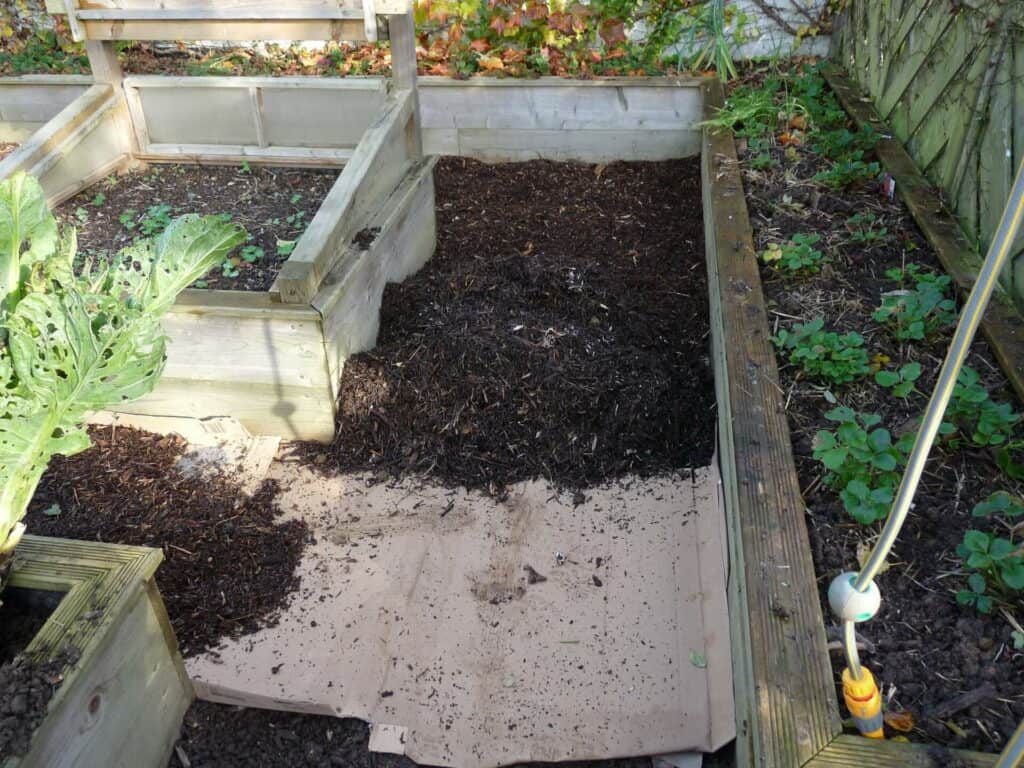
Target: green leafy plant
[
  {"x": 824, "y": 355},
  {"x": 973, "y": 415},
  {"x": 127, "y": 218},
  {"x": 82, "y": 215},
  {"x": 156, "y": 219},
  {"x": 252, "y": 253},
  {"x": 848, "y": 172},
  {"x": 862, "y": 462},
  {"x": 997, "y": 569},
  {"x": 866, "y": 229},
  {"x": 74, "y": 344},
  {"x": 901, "y": 381},
  {"x": 915, "y": 314},
  {"x": 795, "y": 257},
  {"x": 98, "y": 200},
  {"x": 285, "y": 247}
]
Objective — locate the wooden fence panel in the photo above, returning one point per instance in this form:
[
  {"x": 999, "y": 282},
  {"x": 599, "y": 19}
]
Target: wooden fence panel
[{"x": 949, "y": 80}]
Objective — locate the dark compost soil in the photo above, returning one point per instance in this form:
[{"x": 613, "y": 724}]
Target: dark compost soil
[
  {"x": 560, "y": 331},
  {"x": 26, "y": 684},
  {"x": 275, "y": 205},
  {"x": 216, "y": 736},
  {"x": 926, "y": 650},
  {"x": 229, "y": 562}
]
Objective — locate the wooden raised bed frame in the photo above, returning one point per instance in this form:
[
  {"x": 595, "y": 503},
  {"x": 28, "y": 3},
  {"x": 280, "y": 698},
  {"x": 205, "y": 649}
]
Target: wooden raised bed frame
[
  {"x": 270, "y": 359},
  {"x": 122, "y": 702},
  {"x": 787, "y": 712}
]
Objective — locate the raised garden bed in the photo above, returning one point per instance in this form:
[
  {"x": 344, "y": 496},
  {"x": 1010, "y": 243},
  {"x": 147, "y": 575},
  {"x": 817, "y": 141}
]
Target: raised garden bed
[
  {"x": 948, "y": 672},
  {"x": 274, "y": 205},
  {"x": 95, "y": 674}
]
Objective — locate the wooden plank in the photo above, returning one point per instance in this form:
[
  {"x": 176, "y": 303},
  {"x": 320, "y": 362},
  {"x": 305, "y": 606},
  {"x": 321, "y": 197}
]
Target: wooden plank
[
  {"x": 224, "y": 154},
  {"x": 121, "y": 703},
  {"x": 785, "y": 695},
  {"x": 274, "y": 379},
  {"x": 256, "y": 104},
  {"x": 1002, "y": 325},
  {"x": 908, "y": 59},
  {"x": 275, "y": 12},
  {"x": 375, "y": 169},
  {"x": 27, "y": 101},
  {"x": 233, "y": 83},
  {"x": 500, "y": 146},
  {"x": 846, "y": 751},
  {"x": 87, "y": 138},
  {"x": 250, "y": 7},
  {"x": 138, "y": 118},
  {"x": 349, "y": 299},
  {"x": 240, "y": 31}
]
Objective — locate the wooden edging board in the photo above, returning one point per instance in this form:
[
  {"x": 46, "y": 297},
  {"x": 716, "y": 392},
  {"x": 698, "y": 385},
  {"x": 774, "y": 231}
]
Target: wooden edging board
[
  {"x": 122, "y": 700},
  {"x": 1002, "y": 324},
  {"x": 787, "y": 712}
]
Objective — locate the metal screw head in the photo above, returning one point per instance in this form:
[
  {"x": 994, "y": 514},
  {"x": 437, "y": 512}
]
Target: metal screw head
[{"x": 559, "y": 558}]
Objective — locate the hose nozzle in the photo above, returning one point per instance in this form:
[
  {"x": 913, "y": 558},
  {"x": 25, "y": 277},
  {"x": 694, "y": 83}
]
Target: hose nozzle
[{"x": 864, "y": 702}]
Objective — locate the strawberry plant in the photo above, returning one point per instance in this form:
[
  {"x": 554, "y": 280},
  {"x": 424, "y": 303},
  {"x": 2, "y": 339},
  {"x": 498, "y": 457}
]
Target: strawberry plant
[
  {"x": 74, "y": 344},
  {"x": 795, "y": 257},
  {"x": 901, "y": 381},
  {"x": 862, "y": 462},
  {"x": 156, "y": 219},
  {"x": 824, "y": 355},
  {"x": 973, "y": 415},
  {"x": 995, "y": 563},
  {"x": 917, "y": 313}
]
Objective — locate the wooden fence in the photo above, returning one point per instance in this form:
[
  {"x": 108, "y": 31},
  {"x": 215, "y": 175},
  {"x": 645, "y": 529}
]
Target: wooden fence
[{"x": 948, "y": 78}]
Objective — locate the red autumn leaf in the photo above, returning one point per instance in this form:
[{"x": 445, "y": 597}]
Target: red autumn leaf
[
  {"x": 489, "y": 63},
  {"x": 480, "y": 45},
  {"x": 561, "y": 22},
  {"x": 513, "y": 55},
  {"x": 498, "y": 25},
  {"x": 515, "y": 21},
  {"x": 455, "y": 32},
  {"x": 440, "y": 69},
  {"x": 615, "y": 53},
  {"x": 595, "y": 56},
  {"x": 613, "y": 31},
  {"x": 536, "y": 11}
]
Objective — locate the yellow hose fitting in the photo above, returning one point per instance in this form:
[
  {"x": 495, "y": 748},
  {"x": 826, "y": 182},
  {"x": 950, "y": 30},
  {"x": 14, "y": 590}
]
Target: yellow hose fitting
[{"x": 864, "y": 702}]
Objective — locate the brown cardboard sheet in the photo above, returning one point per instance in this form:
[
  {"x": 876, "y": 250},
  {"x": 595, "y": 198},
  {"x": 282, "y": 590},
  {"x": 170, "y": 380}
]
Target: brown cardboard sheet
[{"x": 472, "y": 632}]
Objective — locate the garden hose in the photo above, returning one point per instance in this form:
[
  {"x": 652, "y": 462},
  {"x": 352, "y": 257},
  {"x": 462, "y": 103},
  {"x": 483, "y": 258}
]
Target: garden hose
[
  {"x": 854, "y": 597},
  {"x": 1013, "y": 753}
]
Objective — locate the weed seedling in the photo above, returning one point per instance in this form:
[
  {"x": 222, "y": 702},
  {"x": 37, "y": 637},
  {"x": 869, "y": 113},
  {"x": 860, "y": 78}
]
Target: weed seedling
[
  {"x": 824, "y": 355},
  {"x": 245, "y": 167},
  {"x": 229, "y": 268},
  {"x": 252, "y": 253},
  {"x": 796, "y": 257},
  {"x": 127, "y": 218},
  {"x": 285, "y": 247},
  {"x": 99, "y": 200},
  {"x": 866, "y": 229},
  {"x": 82, "y": 215},
  {"x": 156, "y": 219},
  {"x": 900, "y": 381},
  {"x": 848, "y": 172}
]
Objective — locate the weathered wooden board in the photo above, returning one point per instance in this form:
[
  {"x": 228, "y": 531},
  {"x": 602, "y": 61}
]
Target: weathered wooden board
[
  {"x": 122, "y": 702},
  {"x": 85, "y": 141},
  {"x": 379, "y": 163},
  {"x": 848, "y": 751},
  {"x": 289, "y": 112},
  {"x": 241, "y": 355},
  {"x": 29, "y": 101},
  {"x": 951, "y": 86},
  {"x": 785, "y": 696},
  {"x": 589, "y": 121},
  {"x": 350, "y": 297}
]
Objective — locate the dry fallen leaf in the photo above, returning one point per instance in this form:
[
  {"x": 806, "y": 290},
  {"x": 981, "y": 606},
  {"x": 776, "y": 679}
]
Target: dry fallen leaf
[
  {"x": 900, "y": 721},
  {"x": 490, "y": 63}
]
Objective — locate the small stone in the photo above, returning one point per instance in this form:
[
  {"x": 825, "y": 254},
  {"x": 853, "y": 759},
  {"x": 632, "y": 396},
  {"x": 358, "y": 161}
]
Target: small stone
[{"x": 985, "y": 643}]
